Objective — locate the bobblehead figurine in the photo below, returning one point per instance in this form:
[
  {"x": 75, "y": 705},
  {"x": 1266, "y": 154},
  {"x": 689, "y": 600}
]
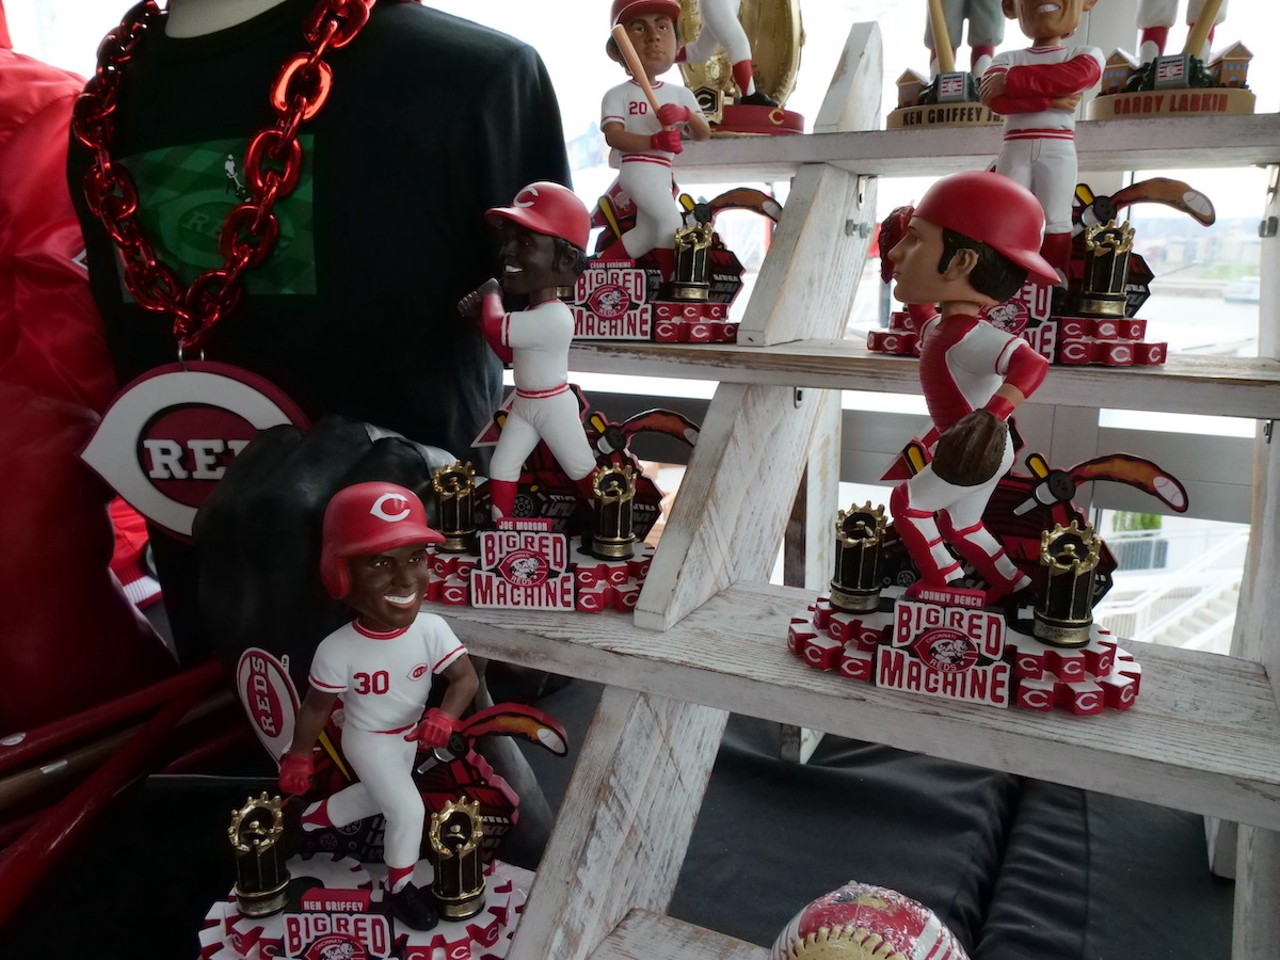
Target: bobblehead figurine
[
  {"x": 1155, "y": 17},
  {"x": 971, "y": 242},
  {"x": 642, "y": 119},
  {"x": 986, "y": 32},
  {"x": 544, "y": 233},
  {"x": 1037, "y": 91},
  {"x": 721, "y": 28},
  {"x": 373, "y": 556}
]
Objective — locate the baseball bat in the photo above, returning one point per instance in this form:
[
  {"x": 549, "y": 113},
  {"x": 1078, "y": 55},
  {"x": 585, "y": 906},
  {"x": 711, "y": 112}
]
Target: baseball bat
[
  {"x": 633, "y": 64},
  {"x": 941, "y": 37},
  {"x": 1200, "y": 33}
]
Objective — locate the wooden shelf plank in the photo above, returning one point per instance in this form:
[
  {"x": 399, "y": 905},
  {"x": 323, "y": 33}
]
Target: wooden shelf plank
[
  {"x": 1212, "y": 385},
  {"x": 648, "y": 936},
  {"x": 1204, "y": 736},
  {"x": 1156, "y": 144}
]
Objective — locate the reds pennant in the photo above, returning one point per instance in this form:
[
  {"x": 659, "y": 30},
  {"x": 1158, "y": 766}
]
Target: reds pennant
[{"x": 167, "y": 438}]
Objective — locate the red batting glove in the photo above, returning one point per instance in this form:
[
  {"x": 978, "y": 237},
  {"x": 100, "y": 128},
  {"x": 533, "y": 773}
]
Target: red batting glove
[
  {"x": 434, "y": 729},
  {"x": 669, "y": 114},
  {"x": 668, "y": 140},
  {"x": 295, "y": 773}
]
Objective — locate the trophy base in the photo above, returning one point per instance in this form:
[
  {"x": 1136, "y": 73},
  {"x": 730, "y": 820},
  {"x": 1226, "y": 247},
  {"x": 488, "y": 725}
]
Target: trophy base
[
  {"x": 460, "y": 908},
  {"x": 613, "y": 549},
  {"x": 853, "y": 601},
  {"x": 263, "y": 903},
  {"x": 690, "y": 290},
  {"x": 1102, "y": 305},
  {"x": 1062, "y": 633},
  {"x": 458, "y": 543},
  {"x": 748, "y": 120}
]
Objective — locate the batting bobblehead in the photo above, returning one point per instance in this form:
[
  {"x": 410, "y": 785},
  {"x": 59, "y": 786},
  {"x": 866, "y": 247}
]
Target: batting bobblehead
[
  {"x": 721, "y": 28},
  {"x": 642, "y": 119},
  {"x": 373, "y": 556},
  {"x": 971, "y": 242},
  {"x": 1037, "y": 91},
  {"x": 544, "y": 233}
]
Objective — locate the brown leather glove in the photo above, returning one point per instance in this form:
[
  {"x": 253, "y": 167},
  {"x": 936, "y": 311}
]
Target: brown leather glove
[{"x": 969, "y": 453}]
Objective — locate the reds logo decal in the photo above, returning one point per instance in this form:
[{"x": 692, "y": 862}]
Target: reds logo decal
[
  {"x": 417, "y": 672},
  {"x": 269, "y": 698},
  {"x": 168, "y": 437},
  {"x": 526, "y": 197},
  {"x": 946, "y": 650},
  {"x": 397, "y": 504},
  {"x": 524, "y": 567},
  {"x": 609, "y": 301}
]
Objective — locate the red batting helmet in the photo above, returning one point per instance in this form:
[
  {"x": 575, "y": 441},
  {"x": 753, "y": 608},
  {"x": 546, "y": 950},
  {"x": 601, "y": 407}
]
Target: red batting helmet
[
  {"x": 546, "y": 207},
  {"x": 624, "y": 10},
  {"x": 365, "y": 519},
  {"x": 994, "y": 210}
]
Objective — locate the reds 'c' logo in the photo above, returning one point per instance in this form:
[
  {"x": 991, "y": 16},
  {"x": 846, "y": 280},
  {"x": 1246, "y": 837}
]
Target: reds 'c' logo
[
  {"x": 379, "y": 508},
  {"x": 417, "y": 672},
  {"x": 526, "y": 197}
]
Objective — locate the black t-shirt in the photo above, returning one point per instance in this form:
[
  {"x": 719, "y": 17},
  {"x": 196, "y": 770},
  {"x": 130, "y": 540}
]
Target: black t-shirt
[{"x": 431, "y": 120}]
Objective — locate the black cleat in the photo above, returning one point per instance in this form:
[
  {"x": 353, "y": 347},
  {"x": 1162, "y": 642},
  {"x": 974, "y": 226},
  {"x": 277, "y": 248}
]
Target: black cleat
[
  {"x": 413, "y": 907},
  {"x": 758, "y": 99}
]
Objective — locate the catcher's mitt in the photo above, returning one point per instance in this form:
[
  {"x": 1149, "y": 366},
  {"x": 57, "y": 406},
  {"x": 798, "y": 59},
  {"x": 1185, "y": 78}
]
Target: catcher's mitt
[{"x": 970, "y": 452}]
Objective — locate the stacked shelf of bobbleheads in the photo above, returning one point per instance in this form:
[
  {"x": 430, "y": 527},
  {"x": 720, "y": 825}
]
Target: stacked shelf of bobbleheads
[{"x": 708, "y": 634}]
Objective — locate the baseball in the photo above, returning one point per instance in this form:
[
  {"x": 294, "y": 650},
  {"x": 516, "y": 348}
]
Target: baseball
[{"x": 864, "y": 922}]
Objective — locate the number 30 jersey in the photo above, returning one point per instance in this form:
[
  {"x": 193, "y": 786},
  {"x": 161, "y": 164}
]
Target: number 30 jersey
[{"x": 384, "y": 677}]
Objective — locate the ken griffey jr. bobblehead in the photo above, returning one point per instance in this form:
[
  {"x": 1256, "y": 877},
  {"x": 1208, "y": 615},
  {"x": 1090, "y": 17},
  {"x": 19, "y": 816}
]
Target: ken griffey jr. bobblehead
[{"x": 373, "y": 556}]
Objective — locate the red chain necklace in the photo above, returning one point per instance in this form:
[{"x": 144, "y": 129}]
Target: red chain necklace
[{"x": 272, "y": 166}]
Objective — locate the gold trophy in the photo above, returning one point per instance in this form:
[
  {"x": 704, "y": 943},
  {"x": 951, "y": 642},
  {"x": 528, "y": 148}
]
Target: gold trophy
[
  {"x": 262, "y": 879},
  {"x": 1106, "y": 269},
  {"x": 455, "y": 834},
  {"x": 1064, "y": 610},
  {"x": 615, "y": 491},
  {"x": 455, "y": 491},
  {"x": 855, "y": 587}
]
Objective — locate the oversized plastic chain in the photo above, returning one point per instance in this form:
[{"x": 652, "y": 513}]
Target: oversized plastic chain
[{"x": 272, "y": 166}]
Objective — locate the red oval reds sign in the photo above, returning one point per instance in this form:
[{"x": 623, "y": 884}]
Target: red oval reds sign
[
  {"x": 167, "y": 438},
  {"x": 946, "y": 650}
]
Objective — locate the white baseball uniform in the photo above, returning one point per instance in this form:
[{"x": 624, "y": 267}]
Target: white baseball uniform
[
  {"x": 1039, "y": 148},
  {"x": 543, "y": 406},
  {"x": 383, "y": 679},
  {"x": 963, "y": 362},
  {"x": 720, "y": 28},
  {"x": 1161, "y": 14},
  {"x": 646, "y": 175}
]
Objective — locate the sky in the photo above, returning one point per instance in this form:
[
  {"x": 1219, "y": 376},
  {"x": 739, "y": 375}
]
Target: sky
[{"x": 570, "y": 35}]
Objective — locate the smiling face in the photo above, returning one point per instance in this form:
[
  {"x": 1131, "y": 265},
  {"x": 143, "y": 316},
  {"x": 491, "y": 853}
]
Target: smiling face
[
  {"x": 387, "y": 587},
  {"x": 654, "y": 37},
  {"x": 530, "y": 262},
  {"x": 1047, "y": 22}
]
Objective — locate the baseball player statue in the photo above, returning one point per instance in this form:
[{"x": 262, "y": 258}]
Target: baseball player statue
[
  {"x": 1155, "y": 17},
  {"x": 544, "y": 234},
  {"x": 970, "y": 242},
  {"x": 721, "y": 28},
  {"x": 647, "y": 136},
  {"x": 986, "y": 32},
  {"x": 1037, "y": 91},
  {"x": 373, "y": 556}
]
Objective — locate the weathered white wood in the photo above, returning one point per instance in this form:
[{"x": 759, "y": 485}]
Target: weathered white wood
[
  {"x": 806, "y": 283},
  {"x": 798, "y": 743},
  {"x": 1214, "y": 386},
  {"x": 1256, "y": 932},
  {"x": 1222, "y": 838},
  {"x": 1204, "y": 735},
  {"x": 852, "y": 101},
  {"x": 809, "y": 556},
  {"x": 1257, "y": 919},
  {"x": 1150, "y": 144},
  {"x": 647, "y": 936},
  {"x": 734, "y": 502},
  {"x": 625, "y": 822}
]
